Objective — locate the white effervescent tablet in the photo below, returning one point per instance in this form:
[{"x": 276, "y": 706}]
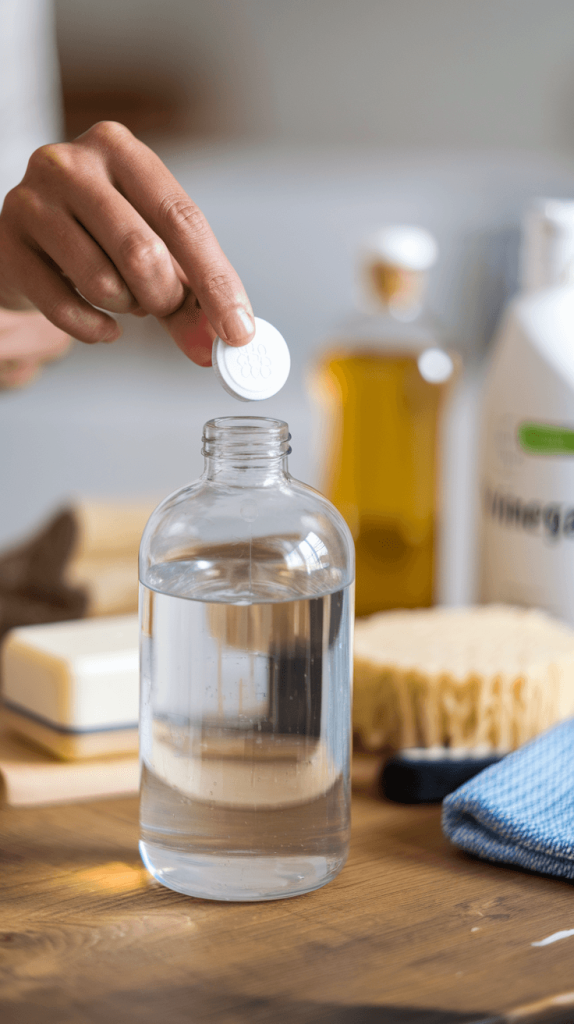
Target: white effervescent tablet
[{"x": 254, "y": 371}]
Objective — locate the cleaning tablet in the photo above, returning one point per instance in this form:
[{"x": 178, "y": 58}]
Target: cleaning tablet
[{"x": 257, "y": 370}]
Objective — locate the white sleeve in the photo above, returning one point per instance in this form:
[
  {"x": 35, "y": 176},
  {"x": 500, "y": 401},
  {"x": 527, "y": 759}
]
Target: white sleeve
[{"x": 30, "y": 99}]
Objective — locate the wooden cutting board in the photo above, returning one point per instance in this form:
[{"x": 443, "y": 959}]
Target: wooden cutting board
[{"x": 29, "y": 777}]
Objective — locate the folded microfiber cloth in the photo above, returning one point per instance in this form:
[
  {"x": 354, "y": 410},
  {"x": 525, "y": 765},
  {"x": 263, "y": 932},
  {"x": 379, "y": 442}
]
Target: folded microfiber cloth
[{"x": 521, "y": 810}]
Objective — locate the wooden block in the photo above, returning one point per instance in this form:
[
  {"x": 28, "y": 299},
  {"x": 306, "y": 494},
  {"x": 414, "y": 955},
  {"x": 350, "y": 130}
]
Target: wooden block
[{"x": 30, "y": 778}]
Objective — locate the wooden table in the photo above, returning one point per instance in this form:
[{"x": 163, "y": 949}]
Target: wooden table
[{"x": 411, "y": 931}]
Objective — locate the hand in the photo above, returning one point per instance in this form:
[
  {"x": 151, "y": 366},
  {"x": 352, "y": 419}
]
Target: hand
[{"x": 101, "y": 222}]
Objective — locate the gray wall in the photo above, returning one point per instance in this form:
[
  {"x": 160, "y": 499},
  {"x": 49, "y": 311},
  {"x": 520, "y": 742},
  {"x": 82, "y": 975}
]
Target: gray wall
[
  {"x": 439, "y": 73},
  {"x": 364, "y": 80}
]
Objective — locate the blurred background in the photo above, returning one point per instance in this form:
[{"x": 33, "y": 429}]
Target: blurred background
[{"x": 297, "y": 128}]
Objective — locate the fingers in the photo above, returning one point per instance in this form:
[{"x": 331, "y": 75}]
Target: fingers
[
  {"x": 141, "y": 258},
  {"x": 31, "y": 221},
  {"x": 148, "y": 185},
  {"x": 104, "y": 217},
  {"x": 76, "y": 254},
  {"x": 55, "y": 297}
]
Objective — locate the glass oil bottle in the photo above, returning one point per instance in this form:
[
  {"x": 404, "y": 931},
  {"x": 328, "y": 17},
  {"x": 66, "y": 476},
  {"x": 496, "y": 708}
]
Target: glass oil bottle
[{"x": 381, "y": 386}]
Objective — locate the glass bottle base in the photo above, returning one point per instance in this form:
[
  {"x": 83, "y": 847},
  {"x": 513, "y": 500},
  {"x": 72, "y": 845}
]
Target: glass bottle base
[{"x": 238, "y": 877}]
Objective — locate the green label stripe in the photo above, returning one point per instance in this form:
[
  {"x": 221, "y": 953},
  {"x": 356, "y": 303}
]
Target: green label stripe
[{"x": 544, "y": 439}]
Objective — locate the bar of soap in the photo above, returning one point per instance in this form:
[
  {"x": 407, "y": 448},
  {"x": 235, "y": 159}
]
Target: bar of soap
[
  {"x": 485, "y": 678},
  {"x": 110, "y": 584},
  {"x": 73, "y": 687},
  {"x": 82, "y": 562},
  {"x": 108, "y": 528}
]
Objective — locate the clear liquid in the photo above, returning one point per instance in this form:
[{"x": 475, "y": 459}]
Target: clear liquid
[{"x": 245, "y": 742}]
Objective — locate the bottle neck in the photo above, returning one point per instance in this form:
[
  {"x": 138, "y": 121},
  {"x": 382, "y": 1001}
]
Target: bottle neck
[{"x": 246, "y": 451}]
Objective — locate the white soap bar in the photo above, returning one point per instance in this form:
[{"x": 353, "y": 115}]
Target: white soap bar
[{"x": 77, "y": 676}]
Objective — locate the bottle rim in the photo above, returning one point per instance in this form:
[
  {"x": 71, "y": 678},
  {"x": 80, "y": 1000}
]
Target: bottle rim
[{"x": 246, "y": 437}]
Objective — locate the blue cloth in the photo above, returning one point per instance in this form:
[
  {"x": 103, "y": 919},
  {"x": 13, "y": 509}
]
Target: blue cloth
[{"x": 521, "y": 810}]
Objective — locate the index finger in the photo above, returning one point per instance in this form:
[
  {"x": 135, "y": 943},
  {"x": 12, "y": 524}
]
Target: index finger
[{"x": 153, "y": 191}]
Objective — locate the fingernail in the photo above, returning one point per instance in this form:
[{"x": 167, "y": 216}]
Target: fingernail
[{"x": 239, "y": 326}]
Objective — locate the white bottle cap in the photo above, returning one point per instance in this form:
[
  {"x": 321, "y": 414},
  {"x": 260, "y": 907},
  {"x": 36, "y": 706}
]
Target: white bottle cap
[
  {"x": 402, "y": 246},
  {"x": 257, "y": 370},
  {"x": 548, "y": 245}
]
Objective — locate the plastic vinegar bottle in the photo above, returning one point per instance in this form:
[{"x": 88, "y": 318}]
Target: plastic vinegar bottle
[
  {"x": 381, "y": 386},
  {"x": 527, "y": 457}
]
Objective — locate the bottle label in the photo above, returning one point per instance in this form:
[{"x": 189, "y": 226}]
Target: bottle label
[
  {"x": 528, "y": 515},
  {"x": 545, "y": 439},
  {"x": 552, "y": 520}
]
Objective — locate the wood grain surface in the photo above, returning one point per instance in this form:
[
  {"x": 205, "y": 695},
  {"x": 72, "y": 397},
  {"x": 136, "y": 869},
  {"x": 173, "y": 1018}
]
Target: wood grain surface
[{"x": 411, "y": 932}]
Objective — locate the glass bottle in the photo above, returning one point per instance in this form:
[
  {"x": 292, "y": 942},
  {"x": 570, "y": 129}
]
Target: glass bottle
[
  {"x": 381, "y": 387},
  {"x": 246, "y": 609}
]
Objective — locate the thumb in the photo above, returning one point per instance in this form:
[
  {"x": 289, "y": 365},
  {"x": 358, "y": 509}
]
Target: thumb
[{"x": 192, "y": 332}]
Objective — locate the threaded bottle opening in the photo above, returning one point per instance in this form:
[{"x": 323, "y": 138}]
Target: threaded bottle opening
[{"x": 246, "y": 438}]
